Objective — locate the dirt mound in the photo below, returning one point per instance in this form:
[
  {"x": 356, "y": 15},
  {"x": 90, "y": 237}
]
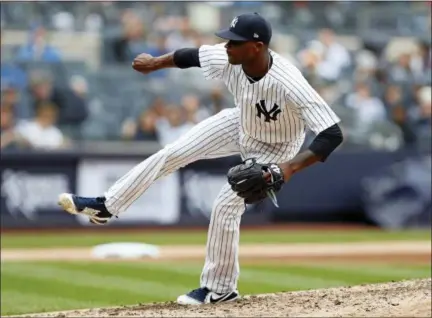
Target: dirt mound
[{"x": 398, "y": 299}]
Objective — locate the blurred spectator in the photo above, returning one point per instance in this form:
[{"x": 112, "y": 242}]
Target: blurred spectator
[
  {"x": 42, "y": 133},
  {"x": 421, "y": 115},
  {"x": 38, "y": 48},
  {"x": 72, "y": 102},
  {"x": 63, "y": 21},
  {"x": 9, "y": 97},
  {"x": 12, "y": 75},
  {"x": 41, "y": 87},
  {"x": 393, "y": 97},
  {"x": 184, "y": 37},
  {"x": 392, "y": 77},
  {"x": 158, "y": 106},
  {"x": 12, "y": 97},
  {"x": 334, "y": 57},
  {"x": 401, "y": 71},
  {"x": 10, "y": 140},
  {"x": 143, "y": 130},
  {"x": 93, "y": 22},
  {"x": 190, "y": 105},
  {"x": 76, "y": 109},
  {"x": 194, "y": 112},
  {"x": 397, "y": 108},
  {"x": 366, "y": 65},
  {"x": 213, "y": 104},
  {"x": 79, "y": 86},
  {"x": 173, "y": 125},
  {"x": 421, "y": 63},
  {"x": 309, "y": 59},
  {"x": 367, "y": 70},
  {"x": 157, "y": 47},
  {"x": 368, "y": 109},
  {"x": 132, "y": 41}
]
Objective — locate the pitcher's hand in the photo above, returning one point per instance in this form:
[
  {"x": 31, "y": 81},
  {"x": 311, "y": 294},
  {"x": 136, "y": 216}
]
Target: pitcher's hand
[{"x": 144, "y": 63}]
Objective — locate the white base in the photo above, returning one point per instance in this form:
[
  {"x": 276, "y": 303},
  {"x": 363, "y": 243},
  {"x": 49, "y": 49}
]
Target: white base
[{"x": 124, "y": 250}]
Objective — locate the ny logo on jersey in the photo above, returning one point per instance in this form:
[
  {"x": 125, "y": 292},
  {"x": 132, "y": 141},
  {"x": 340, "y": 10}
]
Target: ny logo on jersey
[
  {"x": 234, "y": 22},
  {"x": 271, "y": 114}
]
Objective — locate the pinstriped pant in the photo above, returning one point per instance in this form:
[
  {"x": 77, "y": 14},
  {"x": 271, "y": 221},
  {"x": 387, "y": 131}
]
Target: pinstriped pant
[{"x": 215, "y": 137}]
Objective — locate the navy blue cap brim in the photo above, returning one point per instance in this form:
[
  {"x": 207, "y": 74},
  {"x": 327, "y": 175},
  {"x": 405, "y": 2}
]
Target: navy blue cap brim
[{"x": 228, "y": 35}]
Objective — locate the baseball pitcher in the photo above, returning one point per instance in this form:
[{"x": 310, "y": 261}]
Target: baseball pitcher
[{"x": 274, "y": 106}]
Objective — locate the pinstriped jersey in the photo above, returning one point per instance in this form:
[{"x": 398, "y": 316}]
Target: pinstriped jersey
[{"x": 276, "y": 109}]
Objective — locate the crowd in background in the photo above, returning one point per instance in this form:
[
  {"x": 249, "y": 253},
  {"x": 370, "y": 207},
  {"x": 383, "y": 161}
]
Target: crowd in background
[{"x": 383, "y": 98}]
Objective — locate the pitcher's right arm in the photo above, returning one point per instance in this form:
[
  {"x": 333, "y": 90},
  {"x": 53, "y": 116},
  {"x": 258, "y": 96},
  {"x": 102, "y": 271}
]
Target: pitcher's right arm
[{"x": 211, "y": 58}]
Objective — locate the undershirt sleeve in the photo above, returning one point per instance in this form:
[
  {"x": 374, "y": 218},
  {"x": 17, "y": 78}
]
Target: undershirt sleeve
[
  {"x": 187, "y": 57},
  {"x": 326, "y": 142}
]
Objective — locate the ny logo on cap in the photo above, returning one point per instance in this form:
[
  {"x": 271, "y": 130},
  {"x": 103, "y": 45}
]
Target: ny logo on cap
[{"x": 234, "y": 22}]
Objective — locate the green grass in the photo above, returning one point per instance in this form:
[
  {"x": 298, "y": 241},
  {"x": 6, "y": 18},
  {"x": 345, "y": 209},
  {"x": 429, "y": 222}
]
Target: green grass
[
  {"x": 13, "y": 240},
  {"x": 50, "y": 286}
]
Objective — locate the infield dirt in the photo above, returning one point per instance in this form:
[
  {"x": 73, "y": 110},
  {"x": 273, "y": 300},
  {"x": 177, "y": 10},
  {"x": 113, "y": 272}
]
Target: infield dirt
[{"x": 401, "y": 299}]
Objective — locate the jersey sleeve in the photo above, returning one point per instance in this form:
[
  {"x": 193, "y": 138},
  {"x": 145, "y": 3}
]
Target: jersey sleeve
[
  {"x": 316, "y": 113},
  {"x": 213, "y": 60}
]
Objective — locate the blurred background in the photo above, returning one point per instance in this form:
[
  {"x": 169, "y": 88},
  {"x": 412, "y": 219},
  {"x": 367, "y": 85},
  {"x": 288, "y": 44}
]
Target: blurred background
[{"x": 75, "y": 116}]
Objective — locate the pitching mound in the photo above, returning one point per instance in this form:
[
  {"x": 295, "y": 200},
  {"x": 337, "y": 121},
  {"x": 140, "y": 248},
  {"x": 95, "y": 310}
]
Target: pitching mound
[{"x": 401, "y": 299}]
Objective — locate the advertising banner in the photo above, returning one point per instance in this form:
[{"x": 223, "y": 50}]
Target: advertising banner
[
  {"x": 29, "y": 190},
  {"x": 160, "y": 204},
  {"x": 400, "y": 196},
  {"x": 330, "y": 192}
]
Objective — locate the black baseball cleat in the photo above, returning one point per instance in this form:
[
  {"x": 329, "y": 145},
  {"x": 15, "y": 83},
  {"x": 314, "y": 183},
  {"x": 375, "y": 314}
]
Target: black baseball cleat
[
  {"x": 202, "y": 296},
  {"x": 94, "y": 208}
]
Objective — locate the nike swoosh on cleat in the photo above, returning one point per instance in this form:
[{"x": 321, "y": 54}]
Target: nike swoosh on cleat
[{"x": 221, "y": 298}]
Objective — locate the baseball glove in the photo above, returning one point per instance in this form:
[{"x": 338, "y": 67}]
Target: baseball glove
[{"x": 249, "y": 181}]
